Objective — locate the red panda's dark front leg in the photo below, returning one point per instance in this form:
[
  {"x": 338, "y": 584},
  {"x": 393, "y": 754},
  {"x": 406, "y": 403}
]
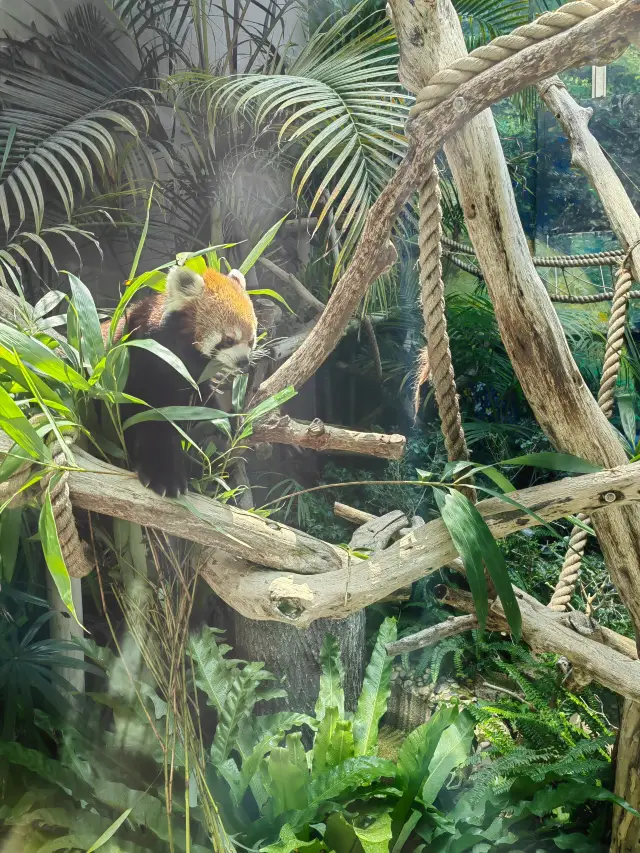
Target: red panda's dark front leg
[{"x": 158, "y": 458}]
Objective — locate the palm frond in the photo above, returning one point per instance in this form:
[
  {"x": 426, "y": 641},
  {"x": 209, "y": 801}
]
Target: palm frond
[
  {"x": 486, "y": 19},
  {"x": 339, "y": 102}
]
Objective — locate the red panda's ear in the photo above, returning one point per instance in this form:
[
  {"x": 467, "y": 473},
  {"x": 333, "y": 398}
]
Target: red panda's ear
[
  {"x": 237, "y": 276},
  {"x": 183, "y": 285}
]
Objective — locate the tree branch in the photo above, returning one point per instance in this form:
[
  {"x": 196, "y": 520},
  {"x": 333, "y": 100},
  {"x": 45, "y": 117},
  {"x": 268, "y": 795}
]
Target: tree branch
[
  {"x": 294, "y": 283},
  {"x": 319, "y": 436},
  {"x": 434, "y": 635}
]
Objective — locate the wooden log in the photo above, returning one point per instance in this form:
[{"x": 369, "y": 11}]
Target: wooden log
[
  {"x": 545, "y": 631},
  {"x": 324, "y": 437},
  {"x": 433, "y": 635},
  {"x": 294, "y": 283}
]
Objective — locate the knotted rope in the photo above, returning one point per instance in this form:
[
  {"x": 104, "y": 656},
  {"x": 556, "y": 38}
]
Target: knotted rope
[
  {"x": 438, "y": 361},
  {"x": 570, "y": 571},
  {"x": 72, "y": 547},
  {"x": 445, "y": 82}
]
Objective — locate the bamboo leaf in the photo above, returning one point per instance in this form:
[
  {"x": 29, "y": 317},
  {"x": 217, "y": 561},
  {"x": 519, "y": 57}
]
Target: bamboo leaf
[
  {"x": 91, "y": 341},
  {"x": 261, "y": 246},
  {"x": 53, "y": 554},
  {"x": 111, "y": 831}
]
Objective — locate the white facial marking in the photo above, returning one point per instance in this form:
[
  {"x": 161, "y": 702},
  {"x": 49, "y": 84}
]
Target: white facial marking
[
  {"x": 234, "y": 356},
  {"x": 210, "y": 343}
]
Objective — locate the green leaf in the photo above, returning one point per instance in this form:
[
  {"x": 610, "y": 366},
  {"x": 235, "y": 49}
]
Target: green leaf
[
  {"x": 288, "y": 842},
  {"x": 324, "y": 735},
  {"x": 41, "y": 358},
  {"x": 353, "y": 773},
  {"x": 163, "y": 353},
  {"x": 143, "y": 236},
  {"x": 627, "y": 410},
  {"x": 110, "y": 832},
  {"x": 467, "y": 543},
  {"x": 555, "y": 462},
  {"x": 239, "y": 391},
  {"x": 91, "y": 340},
  {"x": 272, "y": 294},
  {"x": 10, "y": 525},
  {"x": 288, "y": 776},
  {"x": 471, "y": 529},
  {"x": 452, "y": 751},
  {"x": 331, "y": 693},
  {"x": 177, "y": 413},
  {"x": 53, "y": 554},
  {"x": 18, "y": 428},
  {"x": 415, "y": 756},
  {"x": 376, "y": 690},
  {"x": 239, "y": 703},
  {"x": 261, "y": 246},
  {"x": 376, "y": 837},
  {"x": 214, "y": 673}
]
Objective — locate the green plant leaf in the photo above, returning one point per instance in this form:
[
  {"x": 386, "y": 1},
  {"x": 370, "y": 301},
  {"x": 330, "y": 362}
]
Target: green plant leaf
[
  {"x": 415, "y": 756},
  {"x": 288, "y": 842},
  {"x": 555, "y": 462},
  {"x": 272, "y": 294},
  {"x": 471, "y": 529},
  {"x": 467, "y": 543},
  {"x": 110, "y": 832},
  {"x": 53, "y": 554},
  {"x": 376, "y": 690},
  {"x": 452, "y": 751},
  {"x": 239, "y": 391},
  {"x": 163, "y": 353},
  {"x": 215, "y": 674},
  {"x": 375, "y": 838},
  {"x": 288, "y": 776},
  {"x": 10, "y": 526},
  {"x": 627, "y": 410},
  {"x": 331, "y": 693},
  {"x": 261, "y": 246},
  {"x": 41, "y": 358},
  {"x": 353, "y": 773},
  {"x": 18, "y": 428},
  {"x": 91, "y": 340},
  {"x": 177, "y": 413},
  {"x": 143, "y": 236},
  {"x": 239, "y": 703}
]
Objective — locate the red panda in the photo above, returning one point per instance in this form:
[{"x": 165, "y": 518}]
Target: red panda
[{"x": 198, "y": 317}]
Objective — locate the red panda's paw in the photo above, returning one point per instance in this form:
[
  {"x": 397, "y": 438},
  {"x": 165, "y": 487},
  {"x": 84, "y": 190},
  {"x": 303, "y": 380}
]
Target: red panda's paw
[{"x": 165, "y": 474}]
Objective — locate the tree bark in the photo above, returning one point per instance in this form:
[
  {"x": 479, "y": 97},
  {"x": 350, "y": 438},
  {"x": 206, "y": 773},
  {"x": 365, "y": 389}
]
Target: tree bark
[{"x": 530, "y": 329}]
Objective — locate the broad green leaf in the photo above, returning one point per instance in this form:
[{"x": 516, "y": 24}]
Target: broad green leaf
[
  {"x": 239, "y": 391},
  {"x": 41, "y": 358},
  {"x": 341, "y": 746},
  {"x": 239, "y": 703},
  {"x": 465, "y": 517},
  {"x": 263, "y": 408},
  {"x": 91, "y": 342},
  {"x": 415, "y": 756},
  {"x": 53, "y": 554},
  {"x": 467, "y": 544},
  {"x": 324, "y": 735},
  {"x": 375, "y": 838},
  {"x": 11, "y": 363},
  {"x": 111, "y": 831},
  {"x": 353, "y": 773},
  {"x": 177, "y": 413},
  {"x": 288, "y": 776},
  {"x": 162, "y": 352},
  {"x": 261, "y": 246},
  {"x": 376, "y": 690},
  {"x": 497, "y": 477},
  {"x": 331, "y": 692},
  {"x": 555, "y": 462},
  {"x": 627, "y": 410},
  {"x": 18, "y": 428},
  {"x": 452, "y": 751}
]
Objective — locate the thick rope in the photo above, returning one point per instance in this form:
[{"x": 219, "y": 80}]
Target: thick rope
[
  {"x": 73, "y": 550},
  {"x": 445, "y": 82},
  {"x": 433, "y": 309},
  {"x": 570, "y": 571},
  {"x": 592, "y": 259}
]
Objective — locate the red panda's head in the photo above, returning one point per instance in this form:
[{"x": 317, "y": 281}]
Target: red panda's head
[{"x": 216, "y": 311}]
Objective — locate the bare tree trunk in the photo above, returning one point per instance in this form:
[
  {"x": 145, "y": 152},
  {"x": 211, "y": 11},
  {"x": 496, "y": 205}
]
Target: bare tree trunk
[
  {"x": 294, "y": 655},
  {"x": 430, "y": 38}
]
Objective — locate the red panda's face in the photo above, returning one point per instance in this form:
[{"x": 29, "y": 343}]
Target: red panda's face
[{"x": 215, "y": 313}]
